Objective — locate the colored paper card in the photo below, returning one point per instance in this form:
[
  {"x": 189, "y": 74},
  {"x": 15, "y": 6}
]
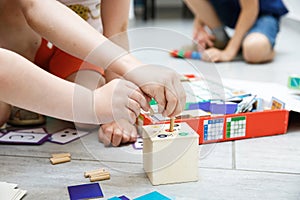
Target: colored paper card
[
  {"x": 153, "y": 196},
  {"x": 10, "y": 191},
  {"x": 32, "y": 130},
  {"x": 85, "y": 191},
  {"x": 204, "y": 105},
  {"x": 223, "y": 108},
  {"x": 276, "y": 104},
  {"x": 123, "y": 197},
  {"x": 67, "y": 135},
  {"x": 13, "y": 137},
  {"x": 114, "y": 198},
  {"x": 138, "y": 144},
  {"x": 294, "y": 82}
]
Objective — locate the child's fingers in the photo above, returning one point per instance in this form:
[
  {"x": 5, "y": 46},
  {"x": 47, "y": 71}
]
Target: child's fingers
[
  {"x": 105, "y": 134},
  {"x": 138, "y": 96},
  {"x": 125, "y": 137},
  {"x": 116, "y": 137},
  {"x": 133, "y": 107}
]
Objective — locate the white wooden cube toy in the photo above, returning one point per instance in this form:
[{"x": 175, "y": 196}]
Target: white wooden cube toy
[{"x": 170, "y": 156}]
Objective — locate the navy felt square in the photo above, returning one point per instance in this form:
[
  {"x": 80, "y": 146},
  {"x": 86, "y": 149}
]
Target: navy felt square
[
  {"x": 85, "y": 191},
  {"x": 123, "y": 197}
]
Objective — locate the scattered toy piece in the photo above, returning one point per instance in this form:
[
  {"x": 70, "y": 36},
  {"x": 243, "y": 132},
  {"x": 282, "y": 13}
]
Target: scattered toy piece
[
  {"x": 97, "y": 175},
  {"x": 58, "y": 158}
]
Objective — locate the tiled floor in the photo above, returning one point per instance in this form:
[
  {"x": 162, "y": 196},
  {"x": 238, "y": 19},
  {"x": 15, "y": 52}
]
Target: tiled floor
[{"x": 259, "y": 168}]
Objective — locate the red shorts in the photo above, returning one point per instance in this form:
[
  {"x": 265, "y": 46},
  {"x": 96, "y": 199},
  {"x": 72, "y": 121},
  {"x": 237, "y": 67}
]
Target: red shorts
[{"x": 60, "y": 63}]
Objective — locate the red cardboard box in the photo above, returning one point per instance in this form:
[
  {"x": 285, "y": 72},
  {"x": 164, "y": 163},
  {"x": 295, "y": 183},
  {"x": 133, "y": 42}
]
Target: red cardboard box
[{"x": 234, "y": 126}]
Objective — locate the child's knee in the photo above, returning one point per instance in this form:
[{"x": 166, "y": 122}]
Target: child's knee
[
  {"x": 5, "y": 113},
  {"x": 257, "y": 48}
]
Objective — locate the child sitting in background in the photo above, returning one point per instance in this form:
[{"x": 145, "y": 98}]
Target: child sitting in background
[{"x": 255, "y": 24}]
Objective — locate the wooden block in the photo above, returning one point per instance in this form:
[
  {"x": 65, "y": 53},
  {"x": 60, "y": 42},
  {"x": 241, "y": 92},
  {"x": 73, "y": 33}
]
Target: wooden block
[
  {"x": 100, "y": 177},
  {"x": 95, "y": 172},
  {"x": 60, "y": 155},
  {"x": 170, "y": 157},
  {"x": 59, "y": 160}
]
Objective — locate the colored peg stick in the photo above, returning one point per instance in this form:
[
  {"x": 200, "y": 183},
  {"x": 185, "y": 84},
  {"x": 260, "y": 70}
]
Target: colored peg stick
[
  {"x": 172, "y": 121},
  {"x": 186, "y": 54}
]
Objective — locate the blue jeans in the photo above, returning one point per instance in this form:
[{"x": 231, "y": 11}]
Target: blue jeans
[{"x": 267, "y": 25}]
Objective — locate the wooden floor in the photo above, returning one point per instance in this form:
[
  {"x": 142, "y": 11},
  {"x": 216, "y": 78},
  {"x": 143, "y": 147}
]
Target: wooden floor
[{"x": 260, "y": 168}]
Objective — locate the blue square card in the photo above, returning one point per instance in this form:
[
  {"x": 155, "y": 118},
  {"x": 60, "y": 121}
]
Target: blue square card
[
  {"x": 85, "y": 191},
  {"x": 153, "y": 196}
]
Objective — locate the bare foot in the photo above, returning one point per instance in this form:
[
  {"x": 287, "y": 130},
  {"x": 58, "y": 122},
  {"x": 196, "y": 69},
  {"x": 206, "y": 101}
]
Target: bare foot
[{"x": 117, "y": 133}]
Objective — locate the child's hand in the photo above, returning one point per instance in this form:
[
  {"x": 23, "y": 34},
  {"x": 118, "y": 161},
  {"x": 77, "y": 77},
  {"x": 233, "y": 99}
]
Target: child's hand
[
  {"x": 119, "y": 99},
  {"x": 162, "y": 84},
  {"x": 117, "y": 132},
  {"x": 202, "y": 37},
  {"x": 217, "y": 55}
]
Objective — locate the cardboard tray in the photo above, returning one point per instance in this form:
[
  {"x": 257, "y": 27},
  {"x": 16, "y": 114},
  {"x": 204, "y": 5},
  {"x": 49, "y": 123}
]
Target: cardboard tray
[{"x": 234, "y": 126}]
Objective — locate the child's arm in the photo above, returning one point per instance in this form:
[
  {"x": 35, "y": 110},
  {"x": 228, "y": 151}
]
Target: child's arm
[
  {"x": 60, "y": 25},
  {"x": 156, "y": 81},
  {"x": 69, "y": 32},
  {"x": 205, "y": 15},
  {"x": 247, "y": 17},
  {"x": 115, "y": 26},
  {"x": 25, "y": 85},
  {"x": 201, "y": 36}
]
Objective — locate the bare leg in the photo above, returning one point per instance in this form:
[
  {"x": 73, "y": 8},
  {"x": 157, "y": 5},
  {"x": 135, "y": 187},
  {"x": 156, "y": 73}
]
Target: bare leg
[{"x": 257, "y": 48}]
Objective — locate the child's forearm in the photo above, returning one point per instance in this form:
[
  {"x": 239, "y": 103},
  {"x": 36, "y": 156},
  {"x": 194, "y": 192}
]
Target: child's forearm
[
  {"x": 25, "y": 85},
  {"x": 247, "y": 17},
  {"x": 60, "y": 25},
  {"x": 69, "y": 32}
]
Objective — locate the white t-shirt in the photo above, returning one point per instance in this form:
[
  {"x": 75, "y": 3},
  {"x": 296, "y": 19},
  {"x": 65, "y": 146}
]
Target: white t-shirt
[{"x": 88, "y": 10}]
